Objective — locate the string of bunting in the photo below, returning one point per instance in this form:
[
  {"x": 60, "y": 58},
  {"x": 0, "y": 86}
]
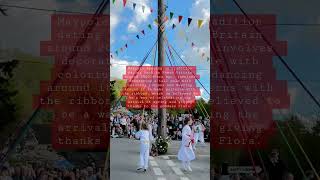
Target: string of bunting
[
  {"x": 138, "y": 36},
  {"x": 200, "y": 22},
  {"x": 134, "y": 5}
]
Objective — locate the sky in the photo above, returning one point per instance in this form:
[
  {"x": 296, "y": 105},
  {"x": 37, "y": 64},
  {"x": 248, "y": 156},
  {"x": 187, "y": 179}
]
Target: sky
[{"x": 127, "y": 22}]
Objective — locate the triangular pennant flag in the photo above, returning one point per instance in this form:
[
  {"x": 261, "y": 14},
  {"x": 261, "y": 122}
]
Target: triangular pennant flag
[
  {"x": 138, "y": 36},
  {"x": 192, "y": 44},
  {"x": 113, "y": 1},
  {"x": 121, "y": 49},
  {"x": 162, "y": 28},
  {"x": 151, "y": 10},
  {"x": 156, "y": 21},
  {"x": 117, "y": 53},
  {"x": 171, "y": 15},
  {"x": 208, "y": 59},
  {"x": 203, "y": 54},
  {"x": 111, "y": 56},
  {"x": 149, "y": 26},
  {"x": 200, "y": 21},
  {"x": 173, "y": 26},
  {"x": 126, "y": 45},
  {"x": 143, "y": 32},
  {"x": 165, "y": 19},
  {"x": 189, "y": 21},
  {"x": 134, "y": 6},
  {"x": 124, "y": 3},
  {"x": 143, "y": 7},
  {"x": 180, "y": 18}
]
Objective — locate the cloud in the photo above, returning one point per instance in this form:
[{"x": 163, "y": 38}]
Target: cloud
[
  {"x": 118, "y": 68},
  {"x": 132, "y": 27},
  {"x": 139, "y": 16}
]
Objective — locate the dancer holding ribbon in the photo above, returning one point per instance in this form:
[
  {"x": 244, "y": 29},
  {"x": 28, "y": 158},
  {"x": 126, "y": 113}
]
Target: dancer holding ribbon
[{"x": 186, "y": 154}]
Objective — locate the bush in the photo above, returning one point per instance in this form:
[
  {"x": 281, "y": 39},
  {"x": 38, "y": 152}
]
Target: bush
[{"x": 162, "y": 145}]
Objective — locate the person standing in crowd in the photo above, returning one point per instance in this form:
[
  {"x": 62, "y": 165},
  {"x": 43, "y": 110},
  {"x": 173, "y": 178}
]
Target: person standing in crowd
[
  {"x": 275, "y": 167},
  {"x": 144, "y": 136},
  {"x": 186, "y": 153}
]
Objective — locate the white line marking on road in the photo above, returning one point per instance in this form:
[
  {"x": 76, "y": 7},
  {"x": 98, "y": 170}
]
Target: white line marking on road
[
  {"x": 157, "y": 171},
  {"x": 154, "y": 163},
  {"x": 177, "y": 171},
  {"x": 161, "y": 178},
  {"x": 184, "y": 178},
  {"x": 170, "y": 163},
  {"x": 165, "y": 157},
  {"x": 202, "y": 155}
]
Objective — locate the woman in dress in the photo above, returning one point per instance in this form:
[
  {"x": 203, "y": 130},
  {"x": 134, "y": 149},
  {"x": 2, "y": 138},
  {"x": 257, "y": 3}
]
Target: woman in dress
[{"x": 186, "y": 154}]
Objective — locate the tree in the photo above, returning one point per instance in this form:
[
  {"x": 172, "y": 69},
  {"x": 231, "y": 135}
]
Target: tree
[{"x": 7, "y": 106}]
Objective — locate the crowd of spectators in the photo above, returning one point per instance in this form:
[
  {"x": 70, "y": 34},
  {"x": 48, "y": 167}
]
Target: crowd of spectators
[{"x": 124, "y": 125}]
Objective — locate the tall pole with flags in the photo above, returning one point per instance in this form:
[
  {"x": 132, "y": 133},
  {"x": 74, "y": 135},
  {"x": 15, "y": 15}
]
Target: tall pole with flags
[{"x": 162, "y": 122}]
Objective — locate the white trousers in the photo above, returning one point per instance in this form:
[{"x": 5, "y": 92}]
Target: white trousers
[
  {"x": 186, "y": 164},
  {"x": 144, "y": 155}
]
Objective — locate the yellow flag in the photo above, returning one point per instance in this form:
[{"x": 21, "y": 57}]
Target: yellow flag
[{"x": 200, "y": 21}]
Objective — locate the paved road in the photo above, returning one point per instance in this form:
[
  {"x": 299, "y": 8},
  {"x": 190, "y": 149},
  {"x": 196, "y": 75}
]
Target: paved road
[{"x": 124, "y": 161}]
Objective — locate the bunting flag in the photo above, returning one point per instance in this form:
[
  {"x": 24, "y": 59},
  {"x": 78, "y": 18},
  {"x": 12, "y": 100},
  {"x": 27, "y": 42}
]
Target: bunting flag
[
  {"x": 143, "y": 32},
  {"x": 111, "y": 56},
  {"x": 180, "y": 18},
  {"x": 171, "y": 15},
  {"x": 208, "y": 59},
  {"x": 156, "y": 21},
  {"x": 165, "y": 19},
  {"x": 189, "y": 21},
  {"x": 121, "y": 49},
  {"x": 117, "y": 53},
  {"x": 134, "y": 6},
  {"x": 173, "y": 26},
  {"x": 126, "y": 45},
  {"x": 113, "y": 1},
  {"x": 149, "y": 26},
  {"x": 192, "y": 44},
  {"x": 124, "y": 3},
  {"x": 200, "y": 21},
  {"x": 151, "y": 10},
  {"x": 138, "y": 36},
  {"x": 143, "y": 7}
]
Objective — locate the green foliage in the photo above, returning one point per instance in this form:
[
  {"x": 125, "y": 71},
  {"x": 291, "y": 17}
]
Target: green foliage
[
  {"x": 162, "y": 145},
  {"x": 115, "y": 90},
  {"x": 7, "y": 93}
]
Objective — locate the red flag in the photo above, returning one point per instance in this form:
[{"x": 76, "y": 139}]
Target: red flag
[
  {"x": 180, "y": 18},
  {"x": 124, "y": 3}
]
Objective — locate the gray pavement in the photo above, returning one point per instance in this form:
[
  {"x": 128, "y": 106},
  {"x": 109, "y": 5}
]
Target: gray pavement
[{"x": 124, "y": 161}]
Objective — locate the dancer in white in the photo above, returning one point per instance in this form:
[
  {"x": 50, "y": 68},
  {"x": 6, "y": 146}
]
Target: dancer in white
[
  {"x": 186, "y": 154},
  {"x": 144, "y": 136},
  {"x": 197, "y": 130},
  {"x": 198, "y": 133}
]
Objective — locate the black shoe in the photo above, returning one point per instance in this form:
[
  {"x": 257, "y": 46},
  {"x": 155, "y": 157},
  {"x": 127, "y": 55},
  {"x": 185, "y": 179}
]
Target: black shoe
[{"x": 139, "y": 169}]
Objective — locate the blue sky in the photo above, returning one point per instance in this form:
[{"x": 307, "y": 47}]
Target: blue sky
[{"x": 126, "y": 23}]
